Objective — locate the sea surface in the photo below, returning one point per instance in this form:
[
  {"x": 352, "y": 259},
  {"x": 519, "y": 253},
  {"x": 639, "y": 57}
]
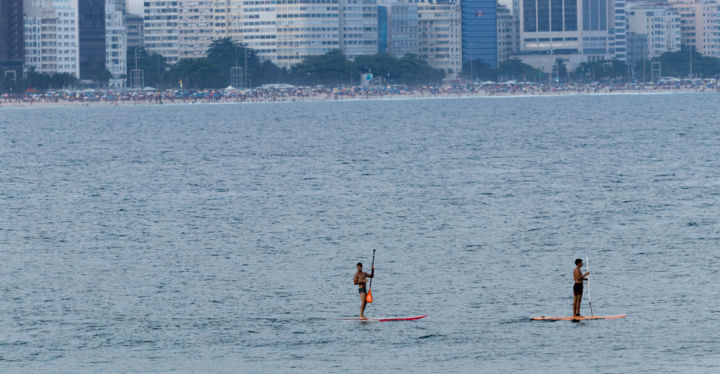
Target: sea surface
[{"x": 223, "y": 238}]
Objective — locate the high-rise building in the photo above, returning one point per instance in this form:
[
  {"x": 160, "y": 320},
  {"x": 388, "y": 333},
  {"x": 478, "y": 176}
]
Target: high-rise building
[
  {"x": 508, "y": 33},
  {"x": 306, "y": 28},
  {"x": 51, "y": 36},
  {"x": 358, "y": 23},
  {"x": 398, "y": 28},
  {"x": 700, "y": 25},
  {"x": 439, "y": 35},
  {"x": 135, "y": 33},
  {"x": 91, "y": 30},
  {"x": 196, "y": 27},
  {"x": 161, "y": 28},
  {"x": 116, "y": 41},
  {"x": 12, "y": 41},
  {"x": 479, "y": 31},
  {"x": 659, "y": 24},
  {"x": 255, "y": 25}
]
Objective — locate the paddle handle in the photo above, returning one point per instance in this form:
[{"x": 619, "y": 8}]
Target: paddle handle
[
  {"x": 587, "y": 262},
  {"x": 372, "y": 265}
]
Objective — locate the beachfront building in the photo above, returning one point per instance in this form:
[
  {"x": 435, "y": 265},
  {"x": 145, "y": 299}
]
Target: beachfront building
[
  {"x": 439, "y": 35},
  {"x": 306, "y": 28},
  {"x": 254, "y": 23},
  {"x": 571, "y": 30},
  {"x": 116, "y": 42},
  {"x": 479, "y": 31},
  {"x": 654, "y": 28},
  {"x": 358, "y": 24},
  {"x": 195, "y": 27},
  {"x": 51, "y": 36},
  {"x": 397, "y": 28},
  {"x": 12, "y": 41},
  {"x": 134, "y": 30},
  {"x": 700, "y": 25},
  {"x": 161, "y": 28},
  {"x": 508, "y": 33}
]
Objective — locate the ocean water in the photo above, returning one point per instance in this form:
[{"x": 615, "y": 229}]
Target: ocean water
[{"x": 223, "y": 238}]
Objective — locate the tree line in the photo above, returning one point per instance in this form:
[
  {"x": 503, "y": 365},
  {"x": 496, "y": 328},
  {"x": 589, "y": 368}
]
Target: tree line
[
  {"x": 684, "y": 63},
  {"x": 331, "y": 69}
]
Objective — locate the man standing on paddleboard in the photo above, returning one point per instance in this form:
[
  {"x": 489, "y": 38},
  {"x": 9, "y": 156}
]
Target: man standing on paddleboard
[
  {"x": 578, "y": 286},
  {"x": 360, "y": 279}
]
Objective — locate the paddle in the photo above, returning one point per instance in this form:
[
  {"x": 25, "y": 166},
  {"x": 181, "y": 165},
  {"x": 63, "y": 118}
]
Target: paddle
[
  {"x": 368, "y": 297},
  {"x": 587, "y": 261}
]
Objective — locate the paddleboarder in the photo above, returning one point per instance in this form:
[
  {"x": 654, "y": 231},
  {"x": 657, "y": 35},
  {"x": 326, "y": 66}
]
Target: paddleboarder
[
  {"x": 360, "y": 279},
  {"x": 578, "y": 286}
]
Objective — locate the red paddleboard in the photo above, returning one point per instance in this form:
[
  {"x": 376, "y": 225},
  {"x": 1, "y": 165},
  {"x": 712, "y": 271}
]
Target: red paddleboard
[
  {"x": 393, "y": 319},
  {"x": 576, "y": 318}
]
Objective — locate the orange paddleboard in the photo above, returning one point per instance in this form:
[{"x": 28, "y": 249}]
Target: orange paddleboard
[{"x": 576, "y": 318}]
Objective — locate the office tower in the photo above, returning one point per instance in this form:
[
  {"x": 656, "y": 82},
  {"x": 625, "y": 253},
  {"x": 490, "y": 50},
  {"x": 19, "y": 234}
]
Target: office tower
[
  {"x": 135, "y": 33},
  {"x": 654, "y": 28},
  {"x": 439, "y": 35},
  {"x": 397, "y": 28},
  {"x": 306, "y": 28},
  {"x": 161, "y": 28},
  {"x": 91, "y": 30},
  {"x": 12, "y": 42},
  {"x": 479, "y": 31},
  {"x": 358, "y": 24}
]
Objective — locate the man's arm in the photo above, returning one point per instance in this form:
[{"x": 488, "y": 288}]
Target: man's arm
[
  {"x": 355, "y": 279},
  {"x": 584, "y": 277}
]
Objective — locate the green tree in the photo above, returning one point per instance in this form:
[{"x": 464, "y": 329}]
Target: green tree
[
  {"x": 592, "y": 71},
  {"x": 517, "y": 70},
  {"x": 409, "y": 69},
  {"x": 332, "y": 68},
  {"x": 478, "y": 70},
  {"x": 154, "y": 67}
]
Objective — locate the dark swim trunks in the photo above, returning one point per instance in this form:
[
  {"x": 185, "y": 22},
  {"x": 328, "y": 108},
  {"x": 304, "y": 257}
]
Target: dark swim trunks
[
  {"x": 578, "y": 289},
  {"x": 362, "y": 290}
]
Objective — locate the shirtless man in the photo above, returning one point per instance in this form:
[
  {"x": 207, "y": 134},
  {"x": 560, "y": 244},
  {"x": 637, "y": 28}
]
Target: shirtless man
[
  {"x": 578, "y": 286},
  {"x": 360, "y": 279}
]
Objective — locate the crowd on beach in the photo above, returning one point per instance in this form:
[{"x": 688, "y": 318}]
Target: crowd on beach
[{"x": 289, "y": 93}]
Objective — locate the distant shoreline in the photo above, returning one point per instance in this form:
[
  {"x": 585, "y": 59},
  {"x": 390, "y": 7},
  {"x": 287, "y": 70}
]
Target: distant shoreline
[{"x": 62, "y": 103}]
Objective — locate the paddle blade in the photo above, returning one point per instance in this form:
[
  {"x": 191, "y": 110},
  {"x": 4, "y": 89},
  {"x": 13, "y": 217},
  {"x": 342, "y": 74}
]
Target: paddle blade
[{"x": 368, "y": 297}]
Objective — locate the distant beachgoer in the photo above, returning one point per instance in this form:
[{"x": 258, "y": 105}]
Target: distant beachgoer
[
  {"x": 360, "y": 279},
  {"x": 578, "y": 286}
]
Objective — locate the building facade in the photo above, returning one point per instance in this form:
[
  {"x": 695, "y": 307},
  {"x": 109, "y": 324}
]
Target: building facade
[
  {"x": 12, "y": 39},
  {"x": 52, "y": 36},
  {"x": 439, "y": 35},
  {"x": 161, "y": 28},
  {"x": 116, "y": 41},
  {"x": 479, "y": 31},
  {"x": 135, "y": 31},
  {"x": 398, "y": 28},
  {"x": 619, "y": 30},
  {"x": 700, "y": 25},
  {"x": 358, "y": 23},
  {"x": 508, "y": 33},
  {"x": 306, "y": 28},
  {"x": 196, "y": 27},
  {"x": 91, "y": 30},
  {"x": 658, "y": 25}
]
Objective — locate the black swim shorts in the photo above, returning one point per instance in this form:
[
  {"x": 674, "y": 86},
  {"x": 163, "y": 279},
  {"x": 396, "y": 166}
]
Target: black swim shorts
[
  {"x": 578, "y": 289},
  {"x": 362, "y": 290}
]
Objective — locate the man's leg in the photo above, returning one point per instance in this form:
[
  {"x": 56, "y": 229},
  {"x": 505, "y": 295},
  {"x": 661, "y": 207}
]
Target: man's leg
[{"x": 362, "y": 305}]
